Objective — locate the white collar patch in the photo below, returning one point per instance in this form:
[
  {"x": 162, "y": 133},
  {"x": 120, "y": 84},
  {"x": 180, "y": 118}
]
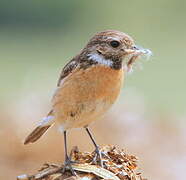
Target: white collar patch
[{"x": 100, "y": 59}]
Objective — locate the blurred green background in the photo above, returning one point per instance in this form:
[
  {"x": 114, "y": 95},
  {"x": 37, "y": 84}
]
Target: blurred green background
[{"x": 38, "y": 37}]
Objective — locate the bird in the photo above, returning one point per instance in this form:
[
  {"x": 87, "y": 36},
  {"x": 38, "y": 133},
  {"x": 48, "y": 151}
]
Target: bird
[{"x": 89, "y": 85}]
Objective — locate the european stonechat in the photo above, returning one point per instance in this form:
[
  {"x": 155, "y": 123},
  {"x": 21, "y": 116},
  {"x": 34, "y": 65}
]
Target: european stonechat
[{"x": 89, "y": 84}]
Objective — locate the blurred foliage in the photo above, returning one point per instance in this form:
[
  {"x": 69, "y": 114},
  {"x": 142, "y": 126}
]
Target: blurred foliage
[{"x": 38, "y": 37}]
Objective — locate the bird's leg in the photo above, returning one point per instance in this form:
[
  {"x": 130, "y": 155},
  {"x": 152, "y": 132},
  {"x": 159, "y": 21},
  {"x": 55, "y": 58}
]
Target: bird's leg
[
  {"x": 97, "y": 150},
  {"x": 67, "y": 164}
]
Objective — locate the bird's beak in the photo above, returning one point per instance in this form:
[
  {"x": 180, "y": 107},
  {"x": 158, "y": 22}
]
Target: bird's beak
[
  {"x": 138, "y": 51},
  {"x": 134, "y": 54}
]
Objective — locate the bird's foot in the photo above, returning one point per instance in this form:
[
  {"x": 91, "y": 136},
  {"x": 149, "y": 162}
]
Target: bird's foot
[
  {"x": 98, "y": 157},
  {"x": 68, "y": 166}
]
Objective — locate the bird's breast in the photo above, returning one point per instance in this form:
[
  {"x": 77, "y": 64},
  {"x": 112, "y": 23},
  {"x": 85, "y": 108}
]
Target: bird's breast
[{"x": 87, "y": 93}]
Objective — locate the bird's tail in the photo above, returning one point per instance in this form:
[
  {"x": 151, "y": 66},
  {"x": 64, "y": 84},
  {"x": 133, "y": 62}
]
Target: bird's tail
[
  {"x": 40, "y": 130},
  {"x": 36, "y": 134}
]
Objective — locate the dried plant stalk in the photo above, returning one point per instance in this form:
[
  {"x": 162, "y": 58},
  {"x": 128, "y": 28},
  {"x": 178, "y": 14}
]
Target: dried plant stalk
[{"x": 117, "y": 165}]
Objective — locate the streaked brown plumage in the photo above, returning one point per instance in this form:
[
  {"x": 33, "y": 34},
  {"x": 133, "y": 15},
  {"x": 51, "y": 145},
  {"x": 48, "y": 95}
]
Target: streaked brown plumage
[{"x": 90, "y": 83}]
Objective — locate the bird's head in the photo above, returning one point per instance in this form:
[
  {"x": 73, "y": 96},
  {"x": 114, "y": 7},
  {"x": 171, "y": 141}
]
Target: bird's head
[{"x": 114, "y": 46}]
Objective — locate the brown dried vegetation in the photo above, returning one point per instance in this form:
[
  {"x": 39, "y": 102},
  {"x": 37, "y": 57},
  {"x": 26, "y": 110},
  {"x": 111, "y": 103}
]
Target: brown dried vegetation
[{"x": 117, "y": 165}]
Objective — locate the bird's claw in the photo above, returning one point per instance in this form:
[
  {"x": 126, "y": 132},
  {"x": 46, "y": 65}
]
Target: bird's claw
[
  {"x": 98, "y": 157},
  {"x": 68, "y": 166}
]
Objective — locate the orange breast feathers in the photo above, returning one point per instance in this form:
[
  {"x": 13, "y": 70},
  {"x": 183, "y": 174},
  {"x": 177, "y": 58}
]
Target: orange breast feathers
[{"x": 86, "y": 94}]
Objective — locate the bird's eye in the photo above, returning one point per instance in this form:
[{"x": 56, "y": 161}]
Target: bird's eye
[{"x": 114, "y": 44}]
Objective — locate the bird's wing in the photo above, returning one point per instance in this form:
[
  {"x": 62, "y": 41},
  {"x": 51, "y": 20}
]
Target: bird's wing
[
  {"x": 65, "y": 73},
  {"x": 48, "y": 121},
  {"x": 72, "y": 65}
]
